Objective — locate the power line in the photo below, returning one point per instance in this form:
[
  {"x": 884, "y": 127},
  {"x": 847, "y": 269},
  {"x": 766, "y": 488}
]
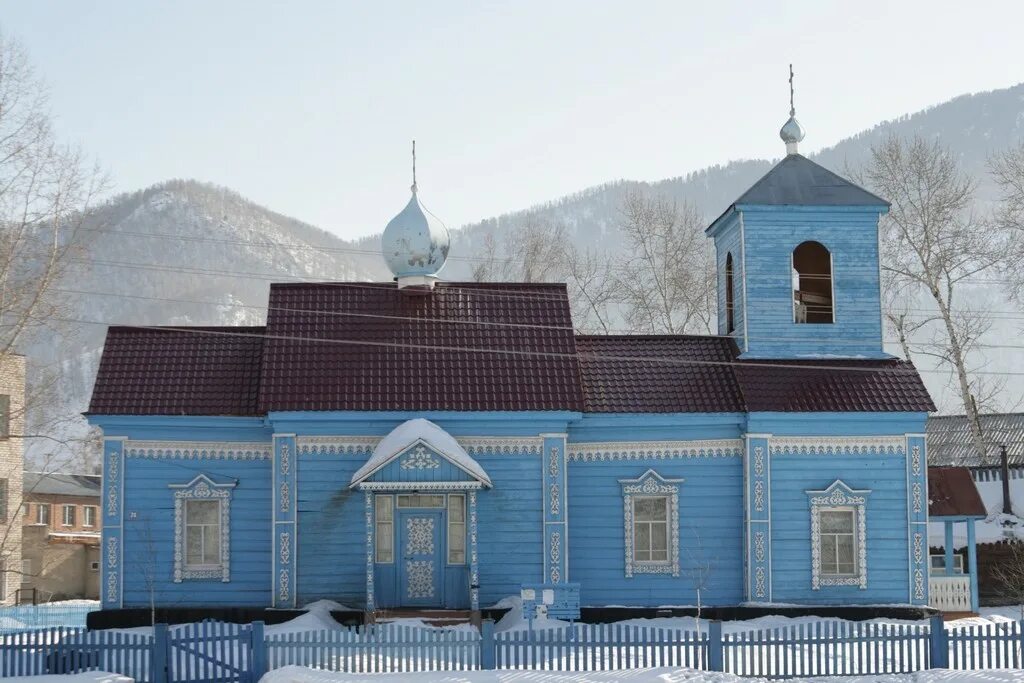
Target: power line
[
  {"x": 485, "y": 323},
  {"x": 768, "y": 363}
]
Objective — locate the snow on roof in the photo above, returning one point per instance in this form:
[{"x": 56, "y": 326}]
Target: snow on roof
[
  {"x": 424, "y": 431},
  {"x": 997, "y": 527}
]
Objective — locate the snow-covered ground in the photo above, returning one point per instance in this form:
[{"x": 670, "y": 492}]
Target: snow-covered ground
[
  {"x": 297, "y": 674},
  {"x": 88, "y": 677}
]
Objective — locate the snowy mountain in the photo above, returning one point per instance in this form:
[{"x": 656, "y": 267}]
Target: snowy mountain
[{"x": 148, "y": 256}]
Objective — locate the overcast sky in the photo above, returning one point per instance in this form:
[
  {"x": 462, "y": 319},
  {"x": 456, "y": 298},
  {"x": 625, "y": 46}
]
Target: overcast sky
[{"x": 308, "y": 107}]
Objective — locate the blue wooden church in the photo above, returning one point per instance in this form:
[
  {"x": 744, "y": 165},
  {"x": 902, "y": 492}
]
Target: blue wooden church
[{"x": 431, "y": 444}]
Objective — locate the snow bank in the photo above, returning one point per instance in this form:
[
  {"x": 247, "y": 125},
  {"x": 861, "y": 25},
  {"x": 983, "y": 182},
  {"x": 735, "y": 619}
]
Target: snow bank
[
  {"x": 298, "y": 674},
  {"x": 89, "y": 677}
]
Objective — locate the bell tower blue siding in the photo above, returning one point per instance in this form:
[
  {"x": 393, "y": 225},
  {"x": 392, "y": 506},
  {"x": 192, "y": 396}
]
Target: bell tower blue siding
[
  {"x": 766, "y": 237},
  {"x": 731, "y": 243}
]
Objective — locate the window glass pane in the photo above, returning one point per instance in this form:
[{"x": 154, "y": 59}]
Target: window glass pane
[
  {"x": 837, "y": 521},
  {"x": 457, "y": 557},
  {"x": 420, "y": 500},
  {"x": 659, "y": 555},
  {"x": 385, "y": 542},
  {"x": 828, "y": 554},
  {"x": 456, "y": 508},
  {"x": 211, "y": 545},
  {"x": 203, "y": 511},
  {"x": 845, "y": 549},
  {"x": 194, "y": 545},
  {"x": 650, "y": 508},
  {"x": 384, "y": 509},
  {"x": 642, "y": 539},
  {"x": 659, "y": 536}
]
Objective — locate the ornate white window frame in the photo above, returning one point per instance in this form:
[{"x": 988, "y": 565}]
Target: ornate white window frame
[
  {"x": 650, "y": 483},
  {"x": 202, "y": 488},
  {"x": 839, "y": 495}
]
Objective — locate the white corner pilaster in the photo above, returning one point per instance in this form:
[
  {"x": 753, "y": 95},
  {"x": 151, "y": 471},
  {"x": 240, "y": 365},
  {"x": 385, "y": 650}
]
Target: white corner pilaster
[
  {"x": 917, "y": 513},
  {"x": 757, "y": 513},
  {"x": 112, "y": 552},
  {"x": 556, "y": 538},
  {"x": 285, "y": 466}
]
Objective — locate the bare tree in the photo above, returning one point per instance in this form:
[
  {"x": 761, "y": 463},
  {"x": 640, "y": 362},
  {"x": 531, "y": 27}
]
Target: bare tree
[
  {"x": 590, "y": 279},
  {"x": 1007, "y": 169},
  {"x": 931, "y": 244},
  {"x": 46, "y": 190},
  {"x": 666, "y": 283},
  {"x": 1009, "y": 574}
]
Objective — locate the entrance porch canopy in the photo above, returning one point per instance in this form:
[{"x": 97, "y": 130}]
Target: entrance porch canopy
[
  {"x": 953, "y": 498},
  {"x": 417, "y": 455}
]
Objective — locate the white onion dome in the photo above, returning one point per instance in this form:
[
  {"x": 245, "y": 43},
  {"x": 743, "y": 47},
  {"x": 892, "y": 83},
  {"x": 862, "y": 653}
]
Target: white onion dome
[
  {"x": 415, "y": 243},
  {"x": 792, "y": 131}
]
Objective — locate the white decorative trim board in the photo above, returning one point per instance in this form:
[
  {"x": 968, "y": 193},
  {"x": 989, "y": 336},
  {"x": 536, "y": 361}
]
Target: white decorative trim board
[
  {"x": 474, "y": 445},
  {"x": 837, "y": 445},
  {"x": 419, "y": 486},
  {"x": 192, "y": 450},
  {"x": 656, "y": 450}
]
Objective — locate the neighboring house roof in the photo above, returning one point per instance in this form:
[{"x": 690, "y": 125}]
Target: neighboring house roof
[
  {"x": 179, "y": 371},
  {"x": 952, "y": 493},
  {"x": 49, "y": 483},
  {"x": 656, "y": 374},
  {"x": 798, "y": 181},
  {"x": 465, "y": 347},
  {"x": 950, "y": 441}
]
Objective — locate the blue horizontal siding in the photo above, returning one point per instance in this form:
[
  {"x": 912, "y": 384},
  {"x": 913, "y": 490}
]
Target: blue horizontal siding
[
  {"x": 886, "y": 510},
  {"x": 149, "y": 534},
  {"x": 710, "y": 532}
]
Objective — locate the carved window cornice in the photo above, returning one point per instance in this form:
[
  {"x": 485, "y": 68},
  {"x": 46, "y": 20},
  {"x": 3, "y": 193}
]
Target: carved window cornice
[
  {"x": 363, "y": 445},
  {"x": 839, "y": 495},
  {"x": 202, "y": 488},
  {"x": 651, "y": 484}
]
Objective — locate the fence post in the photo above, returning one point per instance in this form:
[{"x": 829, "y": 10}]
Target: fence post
[
  {"x": 487, "y": 645},
  {"x": 158, "y": 656},
  {"x": 715, "y": 647},
  {"x": 258, "y": 650},
  {"x": 938, "y": 657}
]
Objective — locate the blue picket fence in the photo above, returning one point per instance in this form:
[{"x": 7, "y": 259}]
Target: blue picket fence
[
  {"x": 233, "y": 653},
  {"x": 24, "y": 617}
]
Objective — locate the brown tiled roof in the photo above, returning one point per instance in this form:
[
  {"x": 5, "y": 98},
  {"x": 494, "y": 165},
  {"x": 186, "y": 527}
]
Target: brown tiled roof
[
  {"x": 839, "y": 386},
  {"x": 952, "y": 493},
  {"x": 656, "y": 374},
  {"x": 463, "y": 346},
  {"x": 172, "y": 371}
]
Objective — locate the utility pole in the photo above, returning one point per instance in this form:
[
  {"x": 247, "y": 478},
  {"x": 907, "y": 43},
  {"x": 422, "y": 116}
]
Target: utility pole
[{"x": 1004, "y": 462}]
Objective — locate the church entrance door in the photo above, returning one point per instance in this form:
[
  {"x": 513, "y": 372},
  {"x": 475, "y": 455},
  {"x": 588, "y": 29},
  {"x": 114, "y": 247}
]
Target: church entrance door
[{"x": 420, "y": 571}]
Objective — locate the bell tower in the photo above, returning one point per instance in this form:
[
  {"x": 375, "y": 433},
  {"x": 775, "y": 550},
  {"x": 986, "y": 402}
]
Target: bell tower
[{"x": 798, "y": 262}]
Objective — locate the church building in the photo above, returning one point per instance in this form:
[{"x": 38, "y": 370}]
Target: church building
[{"x": 431, "y": 444}]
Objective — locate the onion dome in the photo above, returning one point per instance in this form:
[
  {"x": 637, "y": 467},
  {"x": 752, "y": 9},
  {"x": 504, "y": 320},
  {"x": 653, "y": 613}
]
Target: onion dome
[{"x": 415, "y": 244}]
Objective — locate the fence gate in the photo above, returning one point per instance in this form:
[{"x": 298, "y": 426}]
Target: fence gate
[{"x": 209, "y": 652}]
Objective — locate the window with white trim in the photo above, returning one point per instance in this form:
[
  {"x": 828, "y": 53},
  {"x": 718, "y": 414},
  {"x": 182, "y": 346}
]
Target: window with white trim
[
  {"x": 89, "y": 515},
  {"x": 69, "y": 515},
  {"x": 651, "y": 523},
  {"x": 838, "y": 541},
  {"x": 385, "y": 535},
  {"x": 202, "y": 529},
  {"x": 838, "y": 536},
  {"x": 43, "y": 513},
  {"x": 650, "y": 528},
  {"x": 938, "y": 564},
  {"x": 202, "y": 534},
  {"x": 456, "y": 528}
]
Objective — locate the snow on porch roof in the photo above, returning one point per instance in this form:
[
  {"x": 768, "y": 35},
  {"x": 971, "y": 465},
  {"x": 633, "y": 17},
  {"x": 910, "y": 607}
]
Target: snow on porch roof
[{"x": 415, "y": 431}]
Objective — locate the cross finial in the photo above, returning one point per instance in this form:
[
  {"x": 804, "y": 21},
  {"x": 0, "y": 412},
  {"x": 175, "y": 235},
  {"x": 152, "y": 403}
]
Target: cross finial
[
  {"x": 792, "y": 109},
  {"x": 414, "y": 167}
]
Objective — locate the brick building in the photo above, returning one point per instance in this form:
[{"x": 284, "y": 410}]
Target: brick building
[
  {"x": 12, "y": 458},
  {"x": 61, "y": 535}
]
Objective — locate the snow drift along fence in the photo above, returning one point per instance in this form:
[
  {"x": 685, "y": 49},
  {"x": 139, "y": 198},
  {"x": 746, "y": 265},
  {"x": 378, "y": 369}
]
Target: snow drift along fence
[
  {"x": 23, "y": 617},
  {"x": 233, "y": 653}
]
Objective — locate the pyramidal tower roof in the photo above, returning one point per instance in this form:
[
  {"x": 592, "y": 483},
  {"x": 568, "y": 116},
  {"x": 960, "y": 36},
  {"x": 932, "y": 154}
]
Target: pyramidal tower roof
[{"x": 798, "y": 181}]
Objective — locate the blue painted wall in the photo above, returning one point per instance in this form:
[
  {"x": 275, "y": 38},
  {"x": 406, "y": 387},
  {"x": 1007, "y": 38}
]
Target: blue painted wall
[
  {"x": 770, "y": 235},
  {"x": 149, "y": 533},
  {"x": 886, "y": 509},
  {"x": 710, "y": 530}
]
